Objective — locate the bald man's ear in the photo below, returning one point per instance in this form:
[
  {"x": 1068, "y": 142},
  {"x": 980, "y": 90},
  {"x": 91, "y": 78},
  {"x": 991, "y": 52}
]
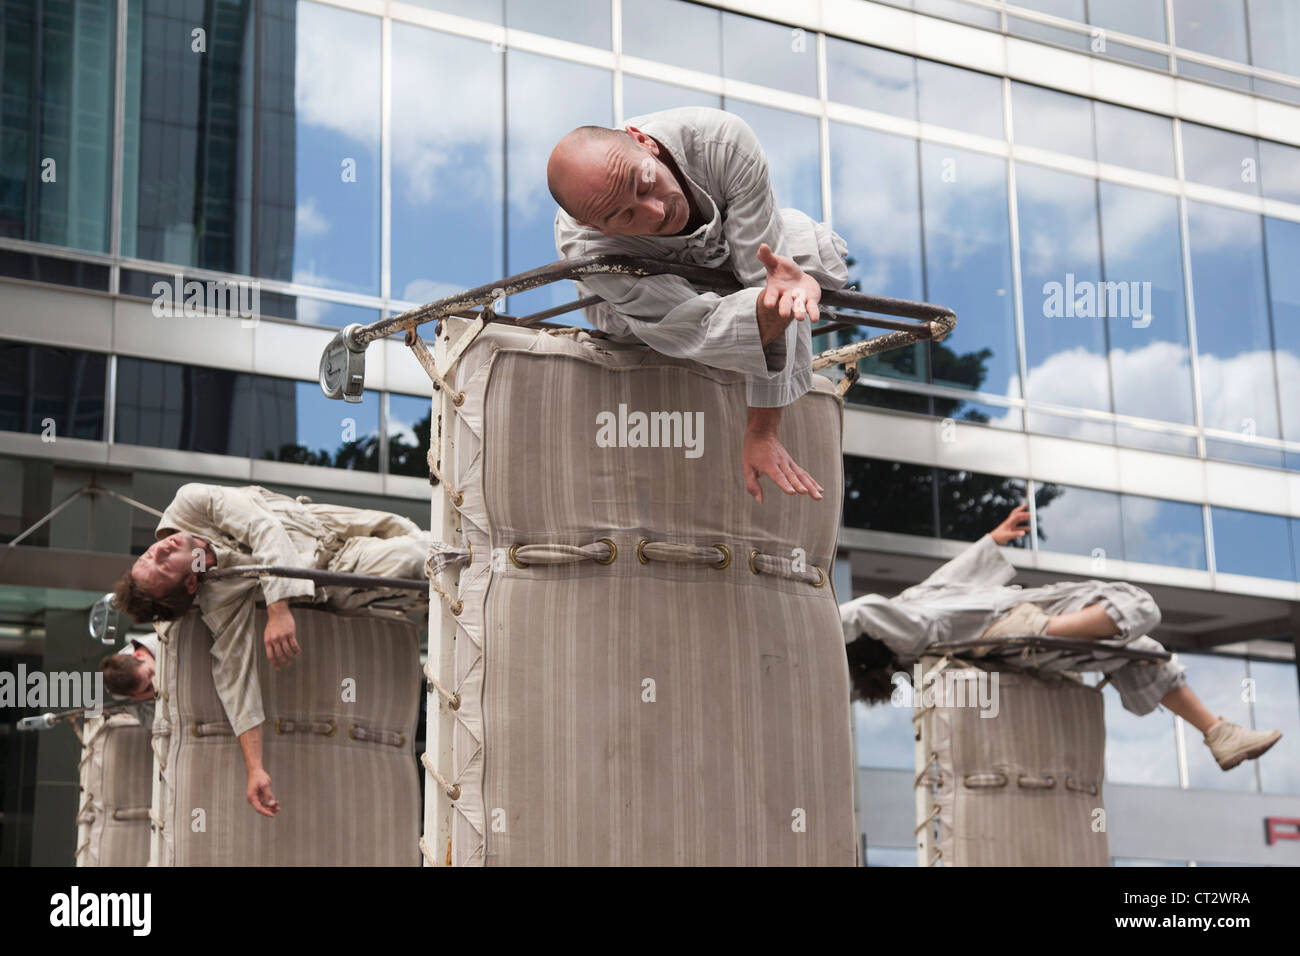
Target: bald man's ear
[{"x": 642, "y": 139}]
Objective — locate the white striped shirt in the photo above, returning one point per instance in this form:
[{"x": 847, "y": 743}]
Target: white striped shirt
[{"x": 726, "y": 171}]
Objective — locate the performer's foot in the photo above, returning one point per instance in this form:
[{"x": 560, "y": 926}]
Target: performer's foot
[
  {"x": 1021, "y": 620},
  {"x": 1231, "y": 743}
]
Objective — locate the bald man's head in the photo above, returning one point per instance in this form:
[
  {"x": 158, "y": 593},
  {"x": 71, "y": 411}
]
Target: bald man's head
[{"x": 617, "y": 182}]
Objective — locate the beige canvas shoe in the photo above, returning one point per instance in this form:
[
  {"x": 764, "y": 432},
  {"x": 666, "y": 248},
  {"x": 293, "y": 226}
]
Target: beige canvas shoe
[
  {"x": 1021, "y": 620},
  {"x": 1231, "y": 743}
]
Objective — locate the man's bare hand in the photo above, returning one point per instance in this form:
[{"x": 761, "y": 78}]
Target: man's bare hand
[
  {"x": 259, "y": 793},
  {"x": 1014, "y": 527},
  {"x": 790, "y": 293},
  {"x": 764, "y": 454},
  {"x": 281, "y": 644}
]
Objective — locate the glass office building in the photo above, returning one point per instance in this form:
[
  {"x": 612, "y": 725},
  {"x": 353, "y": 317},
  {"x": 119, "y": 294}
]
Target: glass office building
[{"x": 1107, "y": 192}]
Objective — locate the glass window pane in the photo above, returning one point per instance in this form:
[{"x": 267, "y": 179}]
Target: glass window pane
[
  {"x": 1139, "y": 18},
  {"x": 1061, "y": 267},
  {"x": 56, "y": 126},
  {"x": 1052, "y": 120},
  {"x": 1282, "y": 240},
  {"x": 1066, "y": 9},
  {"x": 1135, "y": 139},
  {"x": 1139, "y": 750},
  {"x": 673, "y": 31},
  {"x": 189, "y": 123},
  {"x": 409, "y": 418},
  {"x": 956, "y": 10},
  {"x": 1219, "y": 682},
  {"x": 1279, "y": 171},
  {"x": 1216, "y": 27},
  {"x": 1163, "y": 532},
  {"x": 448, "y": 232},
  {"x": 336, "y": 315},
  {"x": 580, "y": 21},
  {"x": 792, "y": 143},
  {"x": 1275, "y": 35},
  {"x": 186, "y": 407},
  {"x": 871, "y": 79},
  {"x": 884, "y": 737},
  {"x": 959, "y": 99},
  {"x": 333, "y": 132},
  {"x": 888, "y": 496},
  {"x": 1150, "y": 358},
  {"x": 545, "y": 99},
  {"x": 489, "y": 10},
  {"x": 1277, "y": 707},
  {"x": 1216, "y": 157},
  {"x": 877, "y": 211},
  {"x": 968, "y": 267},
  {"x": 1078, "y": 521},
  {"x": 641, "y": 96},
  {"x": 1247, "y": 542},
  {"x": 52, "y": 392},
  {"x": 769, "y": 54},
  {"x": 971, "y": 504},
  {"x": 890, "y": 855},
  {"x": 1232, "y": 328},
  {"x": 294, "y": 422}
]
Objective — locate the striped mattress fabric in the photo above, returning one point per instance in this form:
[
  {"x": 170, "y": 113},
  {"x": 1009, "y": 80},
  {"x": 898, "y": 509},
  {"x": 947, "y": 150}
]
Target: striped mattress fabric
[
  {"x": 115, "y": 773},
  {"x": 1024, "y": 787},
  {"x": 631, "y": 712},
  {"x": 338, "y": 743}
]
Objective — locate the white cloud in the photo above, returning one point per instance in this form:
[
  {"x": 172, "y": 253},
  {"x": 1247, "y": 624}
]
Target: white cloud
[{"x": 310, "y": 222}]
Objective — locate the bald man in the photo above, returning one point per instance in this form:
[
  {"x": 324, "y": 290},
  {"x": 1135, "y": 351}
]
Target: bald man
[{"x": 691, "y": 185}]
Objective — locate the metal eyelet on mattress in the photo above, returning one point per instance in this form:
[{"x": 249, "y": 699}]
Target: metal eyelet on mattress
[
  {"x": 458, "y": 499},
  {"x": 196, "y": 729},
  {"x": 640, "y": 550},
  {"x": 334, "y": 726},
  {"x": 457, "y": 608},
  {"x": 352, "y": 732},
  {"x": 613, "y": 551},
  {"x": 279, "y": 726},
  {"x": 514, "y": 560},
  {"x": 726, "y": 557},
  {"x": 821, "y": 577},
  {"x": 752, "y": 555},
  {"x": 1026, "y": 782},
  {"x": 458, "y": 399},
  {"x": 983, "y": 781}
]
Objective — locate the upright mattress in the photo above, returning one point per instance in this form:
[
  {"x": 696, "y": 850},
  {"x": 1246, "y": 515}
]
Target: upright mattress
[
  {"x": 1024, "y": 787},
  {"x": 627, "y": 708},
  {"x": 338, "y": 743},
  {"x": 116, "y": 771}
]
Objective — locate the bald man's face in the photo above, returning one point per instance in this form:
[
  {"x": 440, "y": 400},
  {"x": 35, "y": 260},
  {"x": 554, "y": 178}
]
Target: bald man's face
[{"x": 623, "y": 188}]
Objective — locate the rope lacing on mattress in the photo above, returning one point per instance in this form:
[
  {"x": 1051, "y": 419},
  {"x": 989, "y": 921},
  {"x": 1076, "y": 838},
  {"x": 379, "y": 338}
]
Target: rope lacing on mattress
[
  {"x": 86, "y": 805},
  {"x": 156, "y": 820},
  {"x": 427, "y": 853},
  {"x": 217, "y": 728},
  {"x": 324, "y": 728},
  {"x": 392, "y": 738},
  {"x": 605, "y": 551},
  {"x": 160, "y": 755},
  {"x": 81, "y": 849},
  {"x": 453, "y": 700},
  {"x": 451, "y": 789},
  {"x": 440, "y": 556}
]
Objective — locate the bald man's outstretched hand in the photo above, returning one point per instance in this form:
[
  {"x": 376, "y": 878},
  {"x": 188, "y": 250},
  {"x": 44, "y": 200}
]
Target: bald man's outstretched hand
[{"x": 790, "y": 293}]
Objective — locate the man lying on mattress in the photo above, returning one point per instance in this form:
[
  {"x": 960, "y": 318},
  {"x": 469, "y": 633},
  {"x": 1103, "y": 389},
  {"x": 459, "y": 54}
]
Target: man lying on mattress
[
  {"x": 207, "y": 527},
  {"x": 968, "y": 599},
  {"x": 129, "y": 673},
  {"x": 691, "y": 185}
]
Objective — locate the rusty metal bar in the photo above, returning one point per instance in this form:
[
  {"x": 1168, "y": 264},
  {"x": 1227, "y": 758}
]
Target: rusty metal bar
[{"x": 920, "y": 314}]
